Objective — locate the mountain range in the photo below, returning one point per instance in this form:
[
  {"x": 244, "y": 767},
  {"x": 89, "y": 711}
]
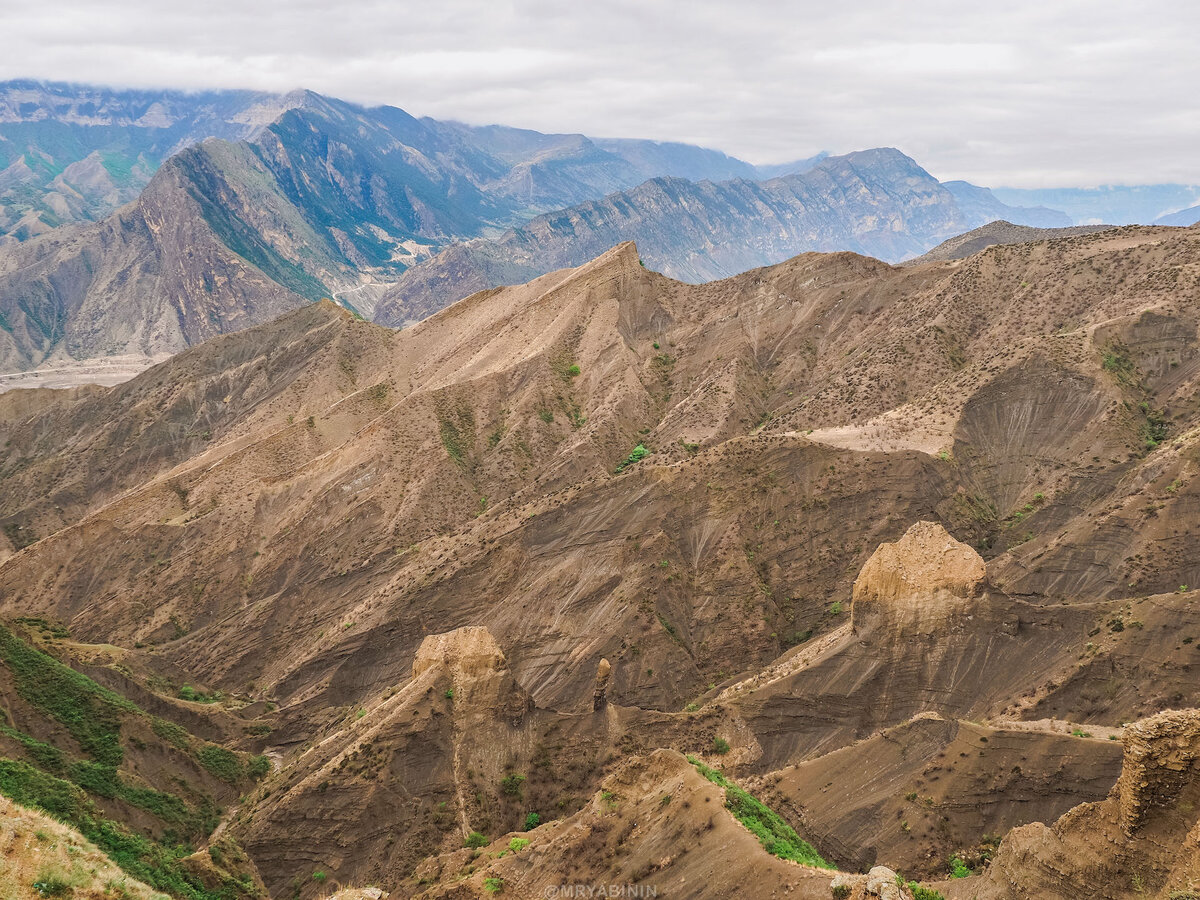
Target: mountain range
[
  {"x": 375, "y": 208},
  {"x": 780, "y": 584}
]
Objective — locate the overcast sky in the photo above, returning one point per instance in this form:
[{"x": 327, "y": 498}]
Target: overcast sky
[{"x": 1030, "y": 94}]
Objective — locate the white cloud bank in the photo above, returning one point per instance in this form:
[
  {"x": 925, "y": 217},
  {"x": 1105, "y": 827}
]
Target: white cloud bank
[{"x": 1054, "y": 92}]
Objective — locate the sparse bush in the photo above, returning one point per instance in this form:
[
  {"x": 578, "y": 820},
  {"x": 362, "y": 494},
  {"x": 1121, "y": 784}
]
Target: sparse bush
[
  {"x": 636, "y": 455},
  {"x": 511, "y": 784},
  {"x": 52, "y": 883},
  {"x": 258, "y": 768},
  {"x": 720, "y": 745},
  {"x": 220, "y": 762}
]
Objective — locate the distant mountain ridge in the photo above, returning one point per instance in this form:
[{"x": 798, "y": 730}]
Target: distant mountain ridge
[
  {"x": 1112, "y": 204},
  {"x": 71, "y": 153},
  {"x": 1184, "y": 218},
  {"x": 330, "y": 199},
  {"x": 878, "y": 202}
]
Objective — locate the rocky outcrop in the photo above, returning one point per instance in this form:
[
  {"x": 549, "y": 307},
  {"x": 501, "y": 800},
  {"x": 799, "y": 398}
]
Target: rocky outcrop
[
  {"x": 1161, "y": 756},
  {"x": 917, "y": 584},
  {"x": 600, "y": 691},
  {"x": 470, "y": 651},
  {"x": 881, "y": 883},
  {"x": 1144, "y": 839}
]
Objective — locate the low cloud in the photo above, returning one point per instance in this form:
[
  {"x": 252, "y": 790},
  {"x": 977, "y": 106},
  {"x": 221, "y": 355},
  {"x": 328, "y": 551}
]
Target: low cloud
[{"x": 1021, "y": 94}]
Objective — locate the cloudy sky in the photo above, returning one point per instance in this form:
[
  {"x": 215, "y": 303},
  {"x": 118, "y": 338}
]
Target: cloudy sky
[{"x": 1030, "y": 94}]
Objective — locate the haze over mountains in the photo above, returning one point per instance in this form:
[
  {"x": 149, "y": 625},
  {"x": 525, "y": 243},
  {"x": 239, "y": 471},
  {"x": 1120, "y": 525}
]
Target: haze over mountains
[
  {"x": 329, "y": 199},
  {"x": 835, "y": 539}
]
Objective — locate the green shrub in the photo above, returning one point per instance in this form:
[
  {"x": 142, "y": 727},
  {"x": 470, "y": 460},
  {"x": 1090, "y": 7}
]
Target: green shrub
[
  {"x": 516, "y": 845},
  {"x": 511, "y": 784},
  {"x": 636, "y": 455},
  {"x": 476, "y": 840},
  {"x": 572, "y": 370},
  {"x": 777, "y": 836},
  {"x": 220, "y": 762},
  {"x": 493, "y": 884},
  {"x": 319, "y": 876},
  {"x": 959, "y": 869},
  {"x": 532, "y": 820},
  {"x": 189, "y": 693},
  {"x": 720, "y": 745},
  {"x": 171, "y": 733},
  {"x": 53, "y": 884},
  {"x": 924, "y": 893},
  {"x": 258, "y": 767}
]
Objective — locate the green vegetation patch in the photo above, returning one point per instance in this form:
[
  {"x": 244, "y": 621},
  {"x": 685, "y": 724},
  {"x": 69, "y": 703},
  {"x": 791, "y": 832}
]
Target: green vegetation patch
[
  {"x": 777, "y": 836},
  {"x": 159, "y": 864},
  {"x": 636, "y": 455},
  {"x": 225, "y": 764},
  {"x": 89, "y": 712}
]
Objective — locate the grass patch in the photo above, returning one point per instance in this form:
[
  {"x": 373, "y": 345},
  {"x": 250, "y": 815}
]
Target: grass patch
[
  {"x": 777, "y": 836},
  {"x": 89, "y": 712},
  {"x": 225, "y": 764},
  {"x": 159, "y": 864}
]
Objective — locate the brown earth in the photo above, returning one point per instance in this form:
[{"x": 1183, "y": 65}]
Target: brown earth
[{"x": 887, "y": 513}]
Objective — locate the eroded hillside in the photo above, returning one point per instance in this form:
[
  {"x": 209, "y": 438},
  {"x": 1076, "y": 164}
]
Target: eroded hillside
[{"x": 898, "y": 550}]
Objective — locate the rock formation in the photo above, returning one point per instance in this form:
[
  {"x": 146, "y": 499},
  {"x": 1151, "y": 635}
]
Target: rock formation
[
  {"x": 1161, "y": 757},
  {"x": 917, "y": 585}
]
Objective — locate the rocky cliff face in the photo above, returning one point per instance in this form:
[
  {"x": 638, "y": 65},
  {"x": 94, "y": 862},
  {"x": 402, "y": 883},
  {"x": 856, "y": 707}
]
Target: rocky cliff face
[{"x": 1140, "y": 841}]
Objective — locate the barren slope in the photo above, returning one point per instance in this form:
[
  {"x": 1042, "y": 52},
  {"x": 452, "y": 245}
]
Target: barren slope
[{"x": 363, "y": 492}]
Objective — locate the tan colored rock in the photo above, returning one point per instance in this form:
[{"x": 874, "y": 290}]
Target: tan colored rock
[
  {"x": 916, "y": 583},
  {"x": 1161, "y": 754},
  {"x": 467, "y": 651},
  {"x": 600, "y": 692}
]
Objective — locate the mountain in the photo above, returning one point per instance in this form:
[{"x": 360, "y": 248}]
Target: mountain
[
  {"x": 981, "y": 204},
  {"x": 1115, "y": 204},
  {"x": 610, "y": 578},
  {"x": 71, "y": 152},
  {"x": 333, "y": 200},
  {"x": 326, "y": 201},
  {"x": 876, "y": 202},
  {"x": 999, "y": 232},
  {"x": 1184, "y": 218}
]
